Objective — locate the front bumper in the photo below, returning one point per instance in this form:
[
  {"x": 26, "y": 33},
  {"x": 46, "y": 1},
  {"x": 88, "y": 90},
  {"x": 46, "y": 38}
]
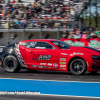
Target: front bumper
[{"x": 95, "y": 66}]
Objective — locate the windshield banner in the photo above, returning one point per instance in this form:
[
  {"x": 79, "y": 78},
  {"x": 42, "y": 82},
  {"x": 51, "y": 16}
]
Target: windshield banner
[{"x": 94, "y": 43}]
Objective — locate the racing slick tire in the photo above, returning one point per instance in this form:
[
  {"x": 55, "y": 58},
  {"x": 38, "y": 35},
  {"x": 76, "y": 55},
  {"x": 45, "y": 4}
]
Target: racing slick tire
[
  {"x": 78, "y": 67},
  {"x": 11, "y": 64}
]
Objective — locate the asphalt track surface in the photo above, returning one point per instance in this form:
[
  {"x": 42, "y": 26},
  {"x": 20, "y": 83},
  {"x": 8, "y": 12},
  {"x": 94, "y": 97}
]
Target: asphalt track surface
[
  {"x": 47, "y": 75},
  {"x": 51, "y": 75}
]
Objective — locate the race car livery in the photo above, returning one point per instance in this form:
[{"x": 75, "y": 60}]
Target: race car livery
[{"x": 49, "y": 54}]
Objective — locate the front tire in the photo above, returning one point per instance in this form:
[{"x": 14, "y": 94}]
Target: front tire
[
  {"x": 78, "y": 66},
  {"x": 11, "y": 64}
]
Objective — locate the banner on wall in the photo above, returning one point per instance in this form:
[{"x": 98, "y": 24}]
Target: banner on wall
[{"x": 94, "y": 43}]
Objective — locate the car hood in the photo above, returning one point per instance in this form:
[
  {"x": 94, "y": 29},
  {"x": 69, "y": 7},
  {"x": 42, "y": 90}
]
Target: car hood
[{"x": 85, "y": 49}]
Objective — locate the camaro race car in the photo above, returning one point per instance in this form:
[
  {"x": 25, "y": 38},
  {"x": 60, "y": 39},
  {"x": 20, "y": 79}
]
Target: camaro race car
[{"x": 49, "y": 54}]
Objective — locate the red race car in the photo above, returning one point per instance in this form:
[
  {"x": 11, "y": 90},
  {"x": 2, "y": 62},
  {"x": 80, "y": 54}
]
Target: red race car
[{"x": 49, "y": 54}]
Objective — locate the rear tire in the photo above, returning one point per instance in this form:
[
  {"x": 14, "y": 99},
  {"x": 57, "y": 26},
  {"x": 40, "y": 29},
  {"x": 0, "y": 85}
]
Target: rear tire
[
  {"x": 78, "y": 66},
  {"x": 11, "y": 64}
]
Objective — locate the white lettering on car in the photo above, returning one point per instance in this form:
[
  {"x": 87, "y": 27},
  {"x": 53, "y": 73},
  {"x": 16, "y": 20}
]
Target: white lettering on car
[
  {"x": 62, "y": 65},
  {"x": 64, "y": 53},
  {"x": 42, "y": 63},
  {"x": 49, "y": 64},
  {"x": 62, "y": 59},
  {"x": 78, "y": 53}
]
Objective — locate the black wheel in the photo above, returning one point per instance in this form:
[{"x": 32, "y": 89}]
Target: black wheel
[
  {"x": 78, "y": 67},
  {"x": 11, "y": 64}
]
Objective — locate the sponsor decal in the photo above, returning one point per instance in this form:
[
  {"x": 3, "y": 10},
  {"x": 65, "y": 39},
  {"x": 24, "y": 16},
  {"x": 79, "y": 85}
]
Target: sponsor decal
[
  {"x": 62, "y": 65},
  {"x": 34, "y": 65},
  {"x": 78, "y": 53},
  {"x": 42, "y": 63},
  {"x": 40, "y": 66},
  {"x": 41, "y": 57},
  {"x": 64, "y": 53},
  {"x": 49, "y": 64},
  {"x": 0, "y": 63},
  {"x": 19, "y": 56},
  {"x": 55, "y": 64},
  {"x": 44, "y": 67},
  {"x": 62, "y": 62},
  {"x": 62, "y": 68},
  {"x": 62, "y": 59}
]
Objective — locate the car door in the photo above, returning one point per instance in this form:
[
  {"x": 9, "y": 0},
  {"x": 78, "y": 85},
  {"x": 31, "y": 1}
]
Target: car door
[{"x": 41, "y": 54}]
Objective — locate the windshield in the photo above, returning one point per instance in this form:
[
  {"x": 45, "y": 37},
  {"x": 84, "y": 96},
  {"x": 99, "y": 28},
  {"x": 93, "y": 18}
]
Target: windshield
[{"x": 61, "y": 45}]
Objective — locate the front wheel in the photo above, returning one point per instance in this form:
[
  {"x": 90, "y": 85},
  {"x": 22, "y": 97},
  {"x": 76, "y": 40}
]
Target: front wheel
[
  {"x": 78, "y": 66},
  {"x": 11, "y": 64}
]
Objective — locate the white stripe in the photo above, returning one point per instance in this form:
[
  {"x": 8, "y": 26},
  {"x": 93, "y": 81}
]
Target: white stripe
[
  {"x": 49, "y": 80},
  {"x": 70, "y": 96}
]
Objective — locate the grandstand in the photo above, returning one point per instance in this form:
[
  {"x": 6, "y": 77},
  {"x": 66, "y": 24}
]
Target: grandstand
[{"x": 30, "y": 19}]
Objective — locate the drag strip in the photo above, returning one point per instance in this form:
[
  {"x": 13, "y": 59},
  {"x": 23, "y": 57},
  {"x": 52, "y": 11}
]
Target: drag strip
[
  {"x": 51, "y": 83},
  {"x": 50, "y": 75},
  {"x": 63, "y": 88}
]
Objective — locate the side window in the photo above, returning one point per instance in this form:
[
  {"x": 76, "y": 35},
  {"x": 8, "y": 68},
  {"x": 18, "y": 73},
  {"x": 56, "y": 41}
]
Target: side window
[
  {"x": 24, "y": 44},
  {"x": 29, "y": 44},
  {"x": 43, "y": 45},
  {"x": 38, "y": 45}
]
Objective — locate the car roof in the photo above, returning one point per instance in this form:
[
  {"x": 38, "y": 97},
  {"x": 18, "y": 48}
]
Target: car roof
[{"x": 45, "y": 40}]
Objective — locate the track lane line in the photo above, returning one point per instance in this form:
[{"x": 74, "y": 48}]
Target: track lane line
[{"x": 50, "y": 80}]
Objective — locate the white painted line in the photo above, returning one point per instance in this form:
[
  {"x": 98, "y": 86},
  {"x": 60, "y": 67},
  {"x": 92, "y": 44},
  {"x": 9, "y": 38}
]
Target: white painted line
[
  {"x": 49, "y": 80},
  {"x": 73, "y": 96}
]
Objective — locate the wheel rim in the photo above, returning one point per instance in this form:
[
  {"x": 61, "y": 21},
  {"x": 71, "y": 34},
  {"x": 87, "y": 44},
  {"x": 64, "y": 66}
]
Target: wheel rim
[
  {"x": 10, "y": 63},
  {"x": 77, "y": 66}
]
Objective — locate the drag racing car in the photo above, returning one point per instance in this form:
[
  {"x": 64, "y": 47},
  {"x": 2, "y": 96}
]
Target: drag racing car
[{"x": 49, "y": 54}]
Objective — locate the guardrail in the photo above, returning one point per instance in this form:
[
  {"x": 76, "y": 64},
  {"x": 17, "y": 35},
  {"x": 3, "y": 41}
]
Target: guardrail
[{"x": 36, "y": 24}]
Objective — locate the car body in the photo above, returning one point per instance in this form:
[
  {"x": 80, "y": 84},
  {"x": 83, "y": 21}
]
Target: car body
[{"x": 49, "y": 54}]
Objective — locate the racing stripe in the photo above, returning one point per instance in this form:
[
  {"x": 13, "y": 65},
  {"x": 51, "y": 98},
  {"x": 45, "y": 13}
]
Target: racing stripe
[{"x": 19, "y": 56}]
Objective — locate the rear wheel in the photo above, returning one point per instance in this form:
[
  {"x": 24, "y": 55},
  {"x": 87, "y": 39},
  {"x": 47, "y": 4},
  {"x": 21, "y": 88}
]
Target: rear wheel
[
  {"x": 78, "y": 66},
  {"x": 11, "y": 64}
]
